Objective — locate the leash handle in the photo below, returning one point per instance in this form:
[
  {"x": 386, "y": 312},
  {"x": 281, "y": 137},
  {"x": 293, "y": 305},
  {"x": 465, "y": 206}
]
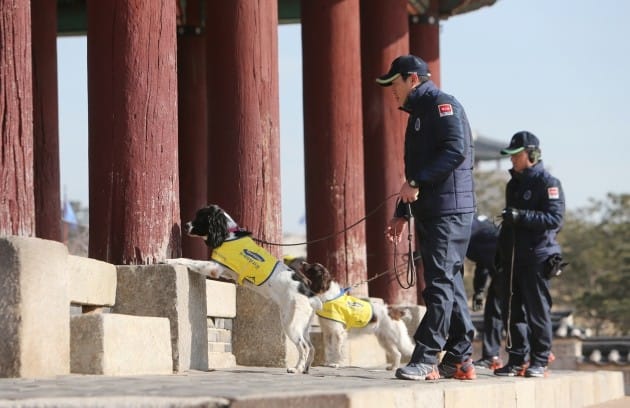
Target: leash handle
[{"x": 411, "y": 265}]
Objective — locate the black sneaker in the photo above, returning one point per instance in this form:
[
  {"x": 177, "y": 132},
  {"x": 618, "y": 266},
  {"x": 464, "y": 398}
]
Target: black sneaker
[
  {"x": 512, "y": 370},
  {"x": 536, "y": 371}
]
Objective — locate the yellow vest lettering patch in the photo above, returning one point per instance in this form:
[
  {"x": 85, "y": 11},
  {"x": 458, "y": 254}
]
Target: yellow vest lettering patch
[
  {"x": 349, "y": 310},
  {"x": 247, "y": 259}
]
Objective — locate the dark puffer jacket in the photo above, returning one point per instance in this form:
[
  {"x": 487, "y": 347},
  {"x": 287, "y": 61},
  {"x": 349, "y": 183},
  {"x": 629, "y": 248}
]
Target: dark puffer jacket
[
  {"x": 534, "y": 235},
  {"x": 438, "y": 153}
]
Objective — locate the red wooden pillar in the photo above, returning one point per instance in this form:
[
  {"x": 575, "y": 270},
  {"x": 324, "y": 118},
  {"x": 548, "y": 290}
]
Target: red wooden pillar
[
  {"x": 132, "y": 86},
  {"x": 424, "y": 39},
  {"x": 243, "y": 114},
  {"x": 17, "y": 204},
  {"x": 45, "y": 119},
  {"x": 333, "y": 137},
  {"x": 384, "y": 136},
  {"x": 192, "y": 121}
]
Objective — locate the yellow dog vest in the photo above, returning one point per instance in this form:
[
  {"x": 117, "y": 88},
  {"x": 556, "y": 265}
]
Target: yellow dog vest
[
  {"x": 349, "y": 310},
  {"x": 247, "y": 259}
]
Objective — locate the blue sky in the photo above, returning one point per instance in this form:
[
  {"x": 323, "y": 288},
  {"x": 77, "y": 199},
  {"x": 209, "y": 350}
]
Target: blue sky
[{"x": 558, "y": 68}]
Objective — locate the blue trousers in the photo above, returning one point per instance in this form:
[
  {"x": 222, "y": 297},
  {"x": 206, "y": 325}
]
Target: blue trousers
[
  {"x": 530, "y": 317},
  {"x": 446, "y": 325}
]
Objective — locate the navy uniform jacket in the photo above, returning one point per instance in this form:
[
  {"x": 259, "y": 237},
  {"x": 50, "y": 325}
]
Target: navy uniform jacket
[
  {"x": 438, "y": 153},
  {"x": 541, "y": 196}
]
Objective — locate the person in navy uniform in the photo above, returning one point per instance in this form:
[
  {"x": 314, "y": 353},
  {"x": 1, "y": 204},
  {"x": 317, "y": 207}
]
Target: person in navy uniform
[
  {"x": 529, "y": 255},
  {"x": 439, "y": 191},
  {"x": 482, "y": 251}
]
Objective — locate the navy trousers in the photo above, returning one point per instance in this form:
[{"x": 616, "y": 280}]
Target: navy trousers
[
  {"x": 529, "y": 315},
  {"x": 492, "y": 319},
  {"x": 446, "y": 325}
]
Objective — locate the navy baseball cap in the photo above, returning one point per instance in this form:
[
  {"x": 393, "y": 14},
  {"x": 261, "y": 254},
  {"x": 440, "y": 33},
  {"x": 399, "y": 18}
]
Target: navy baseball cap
[
  {"x": 520, "y": 141},
  {"x": 405, "y": 64}
]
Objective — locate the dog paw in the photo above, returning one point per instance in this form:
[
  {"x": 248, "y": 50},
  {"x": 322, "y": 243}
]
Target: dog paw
[
  {"x": 333, "y": 365},
  {"x": 291, "y": 370}
]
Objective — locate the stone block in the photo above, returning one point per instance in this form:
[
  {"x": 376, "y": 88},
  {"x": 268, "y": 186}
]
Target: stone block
[
  {"x": 567, "y": 352},
  {"x": 553, "y": 391},
  {"x": 417, "y": 397},
  {"x": 115, "y": 344},
  {"x": 582, "y": 392},
  {"x": 259, "y": 318},
  {"x": 219, "y": 335},
  {"x": 34, "y": 308},
  {"x": 608, "y": 385},
  {"x": 361, "y": 350},
  {"x": 221, "y": 360},
  {"x": 461, "y": 393},
  {"x": 92, "y": 282},
  {"x": 221, "y": 299},
  {"x": 169, "y": 291}
]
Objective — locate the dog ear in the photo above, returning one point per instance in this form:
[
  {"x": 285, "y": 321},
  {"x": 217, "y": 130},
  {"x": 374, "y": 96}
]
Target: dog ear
[
  {"x": 319, "y": 276},
  {"x": 217, "y": 227}
]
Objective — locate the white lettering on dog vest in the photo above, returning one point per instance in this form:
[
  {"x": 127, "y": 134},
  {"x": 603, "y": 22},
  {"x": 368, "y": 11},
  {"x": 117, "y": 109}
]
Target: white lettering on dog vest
[
  {"x": 247, "y": 259},
  {"x": 349, "y": 310}
]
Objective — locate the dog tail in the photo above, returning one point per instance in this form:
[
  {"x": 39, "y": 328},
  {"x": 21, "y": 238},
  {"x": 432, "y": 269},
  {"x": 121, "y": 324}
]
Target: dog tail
[{"x": 405, "y": 342}]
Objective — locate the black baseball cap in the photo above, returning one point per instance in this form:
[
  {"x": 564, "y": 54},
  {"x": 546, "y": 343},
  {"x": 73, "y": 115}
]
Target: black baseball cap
[
  {"x": 405, "y": 64},
  {"x": 520, "y": 141}
]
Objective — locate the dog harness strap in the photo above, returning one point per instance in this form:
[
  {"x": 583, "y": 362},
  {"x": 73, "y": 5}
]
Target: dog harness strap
[
  {"x": 247, "y": 259},
  {"x": 349, "y": 310}
]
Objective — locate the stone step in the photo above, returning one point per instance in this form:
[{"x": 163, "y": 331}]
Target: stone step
[
  {"x": 175, "y": 293},
  {"x": 218, "y": 347},
  {"x": 255, "y": 387},
  {"x": 34, "y": 310},
  {"x": 220, "y": 299},
  {"x": 221, "y": 360},
  {"x": 92, "y": 282},
  {"x": 116, "y": 344},
  {"x": 219, "y": 335},
  {"x": 361, "y": 350}
]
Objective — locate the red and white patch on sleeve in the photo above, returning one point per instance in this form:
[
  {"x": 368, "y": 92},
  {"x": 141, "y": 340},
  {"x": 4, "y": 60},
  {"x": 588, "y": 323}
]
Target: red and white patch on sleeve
[
  {"x": 445, "y": 109},
  {"x": 553, "y": 193}
]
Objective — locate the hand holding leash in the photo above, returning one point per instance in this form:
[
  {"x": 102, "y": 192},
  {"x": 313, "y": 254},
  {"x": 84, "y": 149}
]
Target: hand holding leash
[
  {"x": 394, "y": 229},
  {"x": 511, "y": 216},
  {"x": 408, "y": 194}
]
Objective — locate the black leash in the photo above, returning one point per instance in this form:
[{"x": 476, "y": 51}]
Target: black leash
[
  {"x": 508, "y": 336},
  {"x": 262, "y": 241},
  {"x": 378, "y": 275},
  {"x": 411, "y": 265}
]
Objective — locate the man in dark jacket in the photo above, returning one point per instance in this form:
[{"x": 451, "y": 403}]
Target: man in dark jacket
[
  {"x": 482, "y": 251},
  {"x": 439, "y": 192},
  {"x": 529, "y": 254}
]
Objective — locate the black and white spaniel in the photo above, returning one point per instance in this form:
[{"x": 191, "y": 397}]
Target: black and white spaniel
[
  {"x": 237, "y": 257},
  {"x": 342, "y": 312}
]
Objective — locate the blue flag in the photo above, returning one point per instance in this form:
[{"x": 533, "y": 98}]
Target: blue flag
[{"x": 68, "y": 214}]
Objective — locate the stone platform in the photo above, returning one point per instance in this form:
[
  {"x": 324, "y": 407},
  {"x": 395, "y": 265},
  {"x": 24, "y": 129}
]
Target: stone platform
[{"x": 245, "y": 387}]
